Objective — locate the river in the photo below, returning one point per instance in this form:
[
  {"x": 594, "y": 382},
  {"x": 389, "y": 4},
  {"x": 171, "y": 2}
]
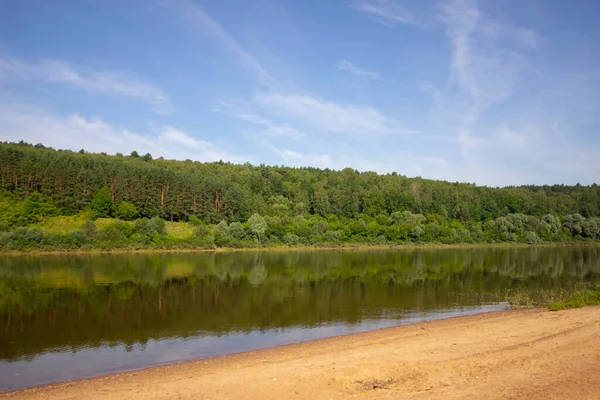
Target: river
[{"x": 65, "y": 317}]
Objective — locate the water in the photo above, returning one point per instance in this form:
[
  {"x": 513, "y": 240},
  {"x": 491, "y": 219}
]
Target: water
[{"x": 76, "y": 316}]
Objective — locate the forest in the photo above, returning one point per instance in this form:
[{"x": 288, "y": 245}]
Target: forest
[{"x": 64, "y": 200}]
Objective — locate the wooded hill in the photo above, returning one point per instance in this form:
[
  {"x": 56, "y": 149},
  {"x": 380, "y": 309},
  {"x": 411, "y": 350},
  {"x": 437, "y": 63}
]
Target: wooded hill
[{"x": 63, "y": 182}]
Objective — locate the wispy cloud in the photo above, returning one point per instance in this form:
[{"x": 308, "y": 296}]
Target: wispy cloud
[
  {"x": 486, "y": 60},
  {"x": 192, "y": 11},
  {"x": 243, "y": 111},
  {"x": 489, "y": 58},
  {"x": 110, "y": 82},
  {"x": 329, "y": 116},
  {"x": 94, "y": 134},
  {"x": 387, "y": 11},
  {"x": 345, "y": 65}
]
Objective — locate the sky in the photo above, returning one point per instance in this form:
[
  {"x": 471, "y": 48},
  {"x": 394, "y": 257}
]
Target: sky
[{"x": 495, "y": 93}]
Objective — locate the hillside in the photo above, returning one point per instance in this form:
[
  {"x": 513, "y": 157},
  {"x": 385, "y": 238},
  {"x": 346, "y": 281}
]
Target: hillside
[{"x": 289, "y": 205}]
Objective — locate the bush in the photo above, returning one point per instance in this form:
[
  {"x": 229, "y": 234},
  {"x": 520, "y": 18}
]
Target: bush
[
  {"x": 113, "y": 236},
  {"x": 159, "y": 226},
  {"x": 78, "y": 238},
  {"x": 195, "y": 220},
  {"x": 532, "y": 237},
  {"x": 126, "y": 228},
  {"x": 139, "y": 238},
  {"x": 89, "y": 228},
  {"x": 34, "y": 235},
  {"x": 291, "y": 239},
  {"x": 126, "y": 211},
  {"x": 201, "y": 231},
  {"x": 237, "y": 231}
]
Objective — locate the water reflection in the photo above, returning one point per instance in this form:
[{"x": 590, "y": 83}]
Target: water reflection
[{"x": 94, "y": 314}]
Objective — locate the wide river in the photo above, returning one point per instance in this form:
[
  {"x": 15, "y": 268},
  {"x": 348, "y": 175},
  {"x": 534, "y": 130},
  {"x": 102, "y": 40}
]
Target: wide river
[{"x": 74, "y": 316}]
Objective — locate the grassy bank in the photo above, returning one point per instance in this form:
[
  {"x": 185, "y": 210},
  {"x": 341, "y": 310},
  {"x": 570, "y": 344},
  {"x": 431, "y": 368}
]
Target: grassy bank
[{"x": 582, "y": 298}]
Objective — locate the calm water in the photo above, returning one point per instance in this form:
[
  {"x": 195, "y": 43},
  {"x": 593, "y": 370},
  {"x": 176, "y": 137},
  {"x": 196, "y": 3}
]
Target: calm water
[{"x": 68, "y": 317}]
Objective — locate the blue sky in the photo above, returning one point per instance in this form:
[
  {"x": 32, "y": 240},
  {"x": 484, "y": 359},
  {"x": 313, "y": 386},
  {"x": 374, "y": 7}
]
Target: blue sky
[{"x": 492, "y": 92}]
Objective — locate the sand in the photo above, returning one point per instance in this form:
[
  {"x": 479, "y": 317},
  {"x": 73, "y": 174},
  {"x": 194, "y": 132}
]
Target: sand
[{"x": 523, "y": 354}]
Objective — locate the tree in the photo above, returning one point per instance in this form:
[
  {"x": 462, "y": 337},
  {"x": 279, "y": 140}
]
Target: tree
[
  {"x": 236, "y": 230},
  {"x": 126, "y": 211},
  {"x": 258, "y": 226},
  {"x": 573, "y": 223},
  {"x": 33, "y": 208},
  {"x": 102, "y": 205},
  {"x": 320, "y": 202}
]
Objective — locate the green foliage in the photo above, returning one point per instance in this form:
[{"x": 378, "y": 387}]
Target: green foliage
[
  {"x": 531, "y": 237},
  {"x": 258, "y": 226},
  {"x": 201, "y": 231},
  {"x": 573, "y": 223},
  {"x": 195, "y": 220},
  {"x": 34, "y": 208},
  {"x": 102, "y": 205},
  {"x": 126, "y": 211},
  {"x": 264, "y": 204},
  {"x": 580, "y": 299},
  {"x": 291, "y": 239},
  {"x": 237, "y": 231}
]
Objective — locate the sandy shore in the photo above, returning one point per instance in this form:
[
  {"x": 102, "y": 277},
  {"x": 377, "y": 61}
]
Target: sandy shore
[{"x": 531, "y": 354}]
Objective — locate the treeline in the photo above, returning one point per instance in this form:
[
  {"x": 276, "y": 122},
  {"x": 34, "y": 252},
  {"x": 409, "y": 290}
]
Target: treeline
[{"x": 245, "y": 205}]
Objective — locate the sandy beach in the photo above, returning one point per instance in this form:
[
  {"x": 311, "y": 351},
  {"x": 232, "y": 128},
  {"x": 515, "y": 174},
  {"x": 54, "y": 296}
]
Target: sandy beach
[{"x": 521, "y": 354}]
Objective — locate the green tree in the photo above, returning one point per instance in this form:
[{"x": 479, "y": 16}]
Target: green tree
[
  {"x": 126, "y": 211},
  {"x": 102, "y": 205},
  {"x": 33, "y": 208},
  {"x": 258, "y": 226}
]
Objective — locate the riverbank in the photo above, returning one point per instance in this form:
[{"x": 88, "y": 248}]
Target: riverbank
[
  {"x": 347, "y": 246},
  {"x": 533, "y": 354}
]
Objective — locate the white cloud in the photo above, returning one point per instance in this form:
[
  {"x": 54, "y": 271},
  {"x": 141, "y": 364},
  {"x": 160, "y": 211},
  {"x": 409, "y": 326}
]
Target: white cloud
[
  {"x": 52, "y": 71},
  {"x": 345, "y": 65},
  {"x": 388, "y": 11},
  {"x": 93, "y": 134},
  {"x": 329, "y": 116},
  {"x": 486, "y": 60},
  {"x": 190, "y": 10}
]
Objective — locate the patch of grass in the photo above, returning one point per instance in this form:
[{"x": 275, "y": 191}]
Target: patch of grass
[
  {"x": 179, "y": 230},
  {"x": 528, "y": 297},
  {"x": 64, "y": 224},
  {"x": 588, "y": 297}
]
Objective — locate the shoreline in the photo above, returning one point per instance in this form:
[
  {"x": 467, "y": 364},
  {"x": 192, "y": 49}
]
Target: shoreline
[
  {"x": 525, "y": 353},
  {"x": 413, "y": 246}
]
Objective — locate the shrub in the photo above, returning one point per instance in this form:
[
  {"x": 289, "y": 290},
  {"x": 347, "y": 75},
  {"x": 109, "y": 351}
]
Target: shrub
[
  {"x": 89, "y": 228},
  {"x": 195, "y": 220},
  {"x": 34, "y": 235},
  {"x": 291, "y": 239},
  {"x": 159, "y": 226},
  {"x": 201, "y": 231},
  {"x": 78, "y": 238},
  {"x": 126, "y": 228},
  {"x": 532, "y": 237},
  {"x": 126, "y": 211},
  {"x": 237, "y": 231}
]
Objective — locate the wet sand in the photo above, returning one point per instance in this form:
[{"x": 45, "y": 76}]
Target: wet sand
[{"x": 522, "y": 354}]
